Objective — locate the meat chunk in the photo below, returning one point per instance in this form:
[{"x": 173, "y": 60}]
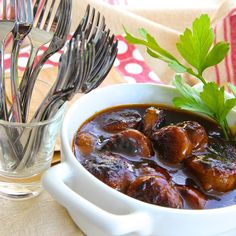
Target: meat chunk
[
  {"x": 193, "y": 197},
  {"x": 213, "y": 172},
  {"x": 152, "y": 120},
  {"x": 197, "y": 134},
  {"x": 130, "y": 142},
  {"x": 85, "y": 142},
  {"x": 111, "y": 169},
  {"x": 155, "y": 190},
  {"x": 117, "y": 121},
  {"x": 172, "y": 143},
  {"x": 156, "y": 170}
]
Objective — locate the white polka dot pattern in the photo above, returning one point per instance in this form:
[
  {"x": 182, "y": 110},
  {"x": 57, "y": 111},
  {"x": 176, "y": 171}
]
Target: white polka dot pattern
[{"x": 131, "y": 65}]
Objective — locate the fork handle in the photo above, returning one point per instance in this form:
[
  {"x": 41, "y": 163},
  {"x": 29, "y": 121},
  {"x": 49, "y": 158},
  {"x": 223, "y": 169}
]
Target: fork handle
[
  {"x": 16, "y": 107},
  {"x": 26, "y": 78},
  {"x": 3, "y": 105},
  {"x": 26, "y": 97}
]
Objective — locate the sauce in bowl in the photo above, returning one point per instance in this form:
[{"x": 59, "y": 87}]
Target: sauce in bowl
[{"x": 159, "y": 155}]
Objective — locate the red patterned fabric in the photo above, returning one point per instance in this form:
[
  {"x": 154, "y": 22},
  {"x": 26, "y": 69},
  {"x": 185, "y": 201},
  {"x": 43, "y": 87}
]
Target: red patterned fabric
[
  {"x": 226, "y": 30},
  {"x": 131, "y": 65}
]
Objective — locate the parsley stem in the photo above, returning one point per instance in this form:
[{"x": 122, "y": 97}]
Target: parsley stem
[
  {"x": 225, "y": 132},
  {"x": 199, "y": 76},
  {"x": 226, "y": 129}
]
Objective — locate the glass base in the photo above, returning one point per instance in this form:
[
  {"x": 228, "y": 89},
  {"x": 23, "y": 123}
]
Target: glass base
[{"x": 20, "y": 189}]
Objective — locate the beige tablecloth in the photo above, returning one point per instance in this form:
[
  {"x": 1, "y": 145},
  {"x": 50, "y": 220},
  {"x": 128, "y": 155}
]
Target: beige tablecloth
[
  {"x": 37, "y": 216},
  {"x": 41, "y": 216}
]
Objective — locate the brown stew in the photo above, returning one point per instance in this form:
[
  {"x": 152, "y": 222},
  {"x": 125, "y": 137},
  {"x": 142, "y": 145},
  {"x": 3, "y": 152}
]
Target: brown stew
[{"x": 159, "y": 155}]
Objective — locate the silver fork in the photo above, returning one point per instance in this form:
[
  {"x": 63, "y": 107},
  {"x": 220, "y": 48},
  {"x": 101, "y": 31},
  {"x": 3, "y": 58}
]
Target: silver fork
[
  {"x": 91, "y": 27},
  {"x": 76, "y": 50},
  {"x": 56, "y": 44},
  {"x": 75, "y": 66},
  {"x": 6, "y": 26},
  {"x": 22, "y": 26},
  {"x": 45, "y": 23},
  {"x": 103, "y": 62},
  {"x": 78, "y": 74},
  {"x": 87, "y": 75}
]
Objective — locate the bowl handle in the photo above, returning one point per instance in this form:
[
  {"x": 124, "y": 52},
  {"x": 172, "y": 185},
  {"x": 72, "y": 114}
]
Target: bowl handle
[{"x": 54, "y": 182}]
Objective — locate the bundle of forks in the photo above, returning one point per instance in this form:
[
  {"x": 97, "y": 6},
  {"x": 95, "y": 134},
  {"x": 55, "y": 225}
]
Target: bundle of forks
[
  {"x": 87, "y": 58},
  {"x": 85, "y": 62}
]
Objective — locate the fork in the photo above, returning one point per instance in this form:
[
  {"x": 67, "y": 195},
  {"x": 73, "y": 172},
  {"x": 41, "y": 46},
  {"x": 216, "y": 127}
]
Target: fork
[
  {"x": 87, "y": 30},
  {"x": 6, "y": 26},
  {"x": 103, "y": 63},
  {"x": 80, "y": 75},
  {"x": 45, "y": 23},
  {"x": 77, "y": 70},
  {"x": 76, "y": 50},
  {"x": 22, "y": 26},
  {"x": 92, "y": 26},
  {"x": 57, "y": 42}
]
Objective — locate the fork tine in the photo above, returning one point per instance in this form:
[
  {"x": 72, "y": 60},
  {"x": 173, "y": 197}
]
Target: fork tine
[
  {"x": 82, "y": 63},
  {"x": 39, "y": 9},
  {"x": 60, "y": 27},
  {"x": 44, "y": 14},
  {"x": 37, "y": 5},
  {"x": 82, "y": 23},
  {"x": 87, "y": 60},
  {"x": 104, "y": 67},
  {"x": 22, "y": 11},
  {"x": 100, "y": 29},
  {"x": 4, "y": 10},
  {"x": 30, "y": 11},
  {"x": 63, "y": 32},
  {"x": 53, "y": 14},
  {"x": 99, "y": 61},
  {"x": 18, "y": 15},
  {"x": 94, "y": 27},
  {"x": 99, "y": 48},
  {"x": 89, "y": 26},
  {"x": 91, "y": 56},
  {"x": 113, "y": 54},
  {"x": 12, "y": 9}
]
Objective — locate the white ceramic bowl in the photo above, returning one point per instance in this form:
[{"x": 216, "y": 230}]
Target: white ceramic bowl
[{"x": 100, "y": 210}]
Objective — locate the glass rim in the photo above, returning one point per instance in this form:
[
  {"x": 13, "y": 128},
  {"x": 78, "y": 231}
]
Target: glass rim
[{"x": 35, "y": 124}]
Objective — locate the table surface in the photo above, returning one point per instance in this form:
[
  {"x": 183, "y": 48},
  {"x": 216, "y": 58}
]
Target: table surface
[{"x": 42, "y": 215}]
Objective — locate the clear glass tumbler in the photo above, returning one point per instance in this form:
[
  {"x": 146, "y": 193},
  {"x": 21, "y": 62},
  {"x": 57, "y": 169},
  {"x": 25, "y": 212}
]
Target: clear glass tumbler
[{"x": 26, "y": 151}]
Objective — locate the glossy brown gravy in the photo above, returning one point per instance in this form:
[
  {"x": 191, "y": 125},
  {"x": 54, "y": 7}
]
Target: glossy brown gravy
[{"x": 179, "y": 174}]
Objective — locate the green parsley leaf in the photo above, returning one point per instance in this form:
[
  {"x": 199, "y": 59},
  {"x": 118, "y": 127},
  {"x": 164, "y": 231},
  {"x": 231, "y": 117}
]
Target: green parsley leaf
[
  {"x": 194, "y": 45},
  {"x": 214, "y": 98},
  {"x": 154, "y": 49},
  {"x": 211, "y": 101},
  {"x": 175, "y": 65},
  {"x": 190, "y": 99},
  {"x": 178, "y": 68},
  {"x": 216, "y": 54}
]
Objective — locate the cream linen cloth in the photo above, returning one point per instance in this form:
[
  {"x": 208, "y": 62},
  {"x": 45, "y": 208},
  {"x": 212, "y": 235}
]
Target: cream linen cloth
[{"x": 165, "y": 20}]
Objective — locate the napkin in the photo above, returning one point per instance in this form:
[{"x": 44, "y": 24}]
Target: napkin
[{"x": 165, "y": 20}]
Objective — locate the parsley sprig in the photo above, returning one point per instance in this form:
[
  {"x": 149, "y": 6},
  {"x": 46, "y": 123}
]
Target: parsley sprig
[{"x": 196, "y": 47}]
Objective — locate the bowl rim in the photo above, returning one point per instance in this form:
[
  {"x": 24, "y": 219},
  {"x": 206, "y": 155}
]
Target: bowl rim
[{"x": 70, "y": 158}]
